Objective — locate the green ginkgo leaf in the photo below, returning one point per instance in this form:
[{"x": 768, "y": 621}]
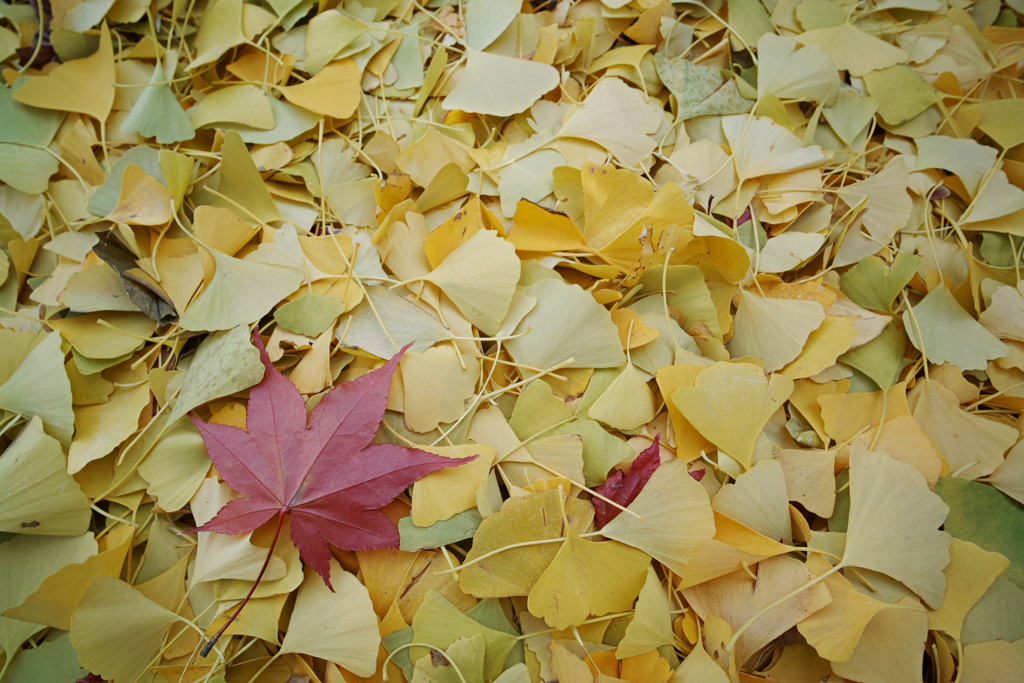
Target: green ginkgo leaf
[
  {"x": 156, "y": 113},
  {"x": 37, "y": 495},
  {"x": 310, "y": 314},
  {"x": 241, "y": 292},
  {"x": 40, "y": 387}
]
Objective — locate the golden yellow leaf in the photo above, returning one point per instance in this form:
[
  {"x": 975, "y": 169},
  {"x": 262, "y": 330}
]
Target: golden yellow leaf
[
  {"x": 728, "y": 393},
  {"x": 588, "y": 578},
  {"x": 81, "y": 85}
]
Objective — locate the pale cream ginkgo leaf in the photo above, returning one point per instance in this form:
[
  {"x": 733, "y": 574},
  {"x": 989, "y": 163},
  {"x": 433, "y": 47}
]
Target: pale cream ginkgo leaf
[{"x": 894, "y": 525}]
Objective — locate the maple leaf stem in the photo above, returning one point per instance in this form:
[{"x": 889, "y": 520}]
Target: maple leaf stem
[{"x": 266, "y": 563}]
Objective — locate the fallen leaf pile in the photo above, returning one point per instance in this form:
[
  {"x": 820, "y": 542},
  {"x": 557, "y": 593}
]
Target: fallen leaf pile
[{"x": 484, "y": 340}]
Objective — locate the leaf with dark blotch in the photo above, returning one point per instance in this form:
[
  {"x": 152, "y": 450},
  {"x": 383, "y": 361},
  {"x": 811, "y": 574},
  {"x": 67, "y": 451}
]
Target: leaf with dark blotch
[{"x": 141, "y": 289}]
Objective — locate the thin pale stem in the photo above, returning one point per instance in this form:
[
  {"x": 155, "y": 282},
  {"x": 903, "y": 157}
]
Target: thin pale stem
[{"x": 742, "y": 629}]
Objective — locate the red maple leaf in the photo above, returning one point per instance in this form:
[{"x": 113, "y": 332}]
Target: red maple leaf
[
  {"x": 624, "y": 488},
  {"x": 321, "y": 472}
]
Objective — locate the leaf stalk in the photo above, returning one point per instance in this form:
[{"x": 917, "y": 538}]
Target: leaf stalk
[{"x": 266, "y": 563}]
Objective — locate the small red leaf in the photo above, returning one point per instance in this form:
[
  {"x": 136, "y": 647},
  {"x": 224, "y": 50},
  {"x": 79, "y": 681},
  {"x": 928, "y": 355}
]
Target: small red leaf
[{"x": 624, "y": 488}]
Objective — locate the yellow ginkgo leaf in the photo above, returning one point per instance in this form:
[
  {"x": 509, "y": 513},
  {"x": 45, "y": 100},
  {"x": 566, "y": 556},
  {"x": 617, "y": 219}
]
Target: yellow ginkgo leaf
[
  {"x": 436, "y": 388},
  {"x": 730, "y": 403},
  {"x": 1005, "y": 315},
  {"x": 37, "y": 495},
  {"x": 25, "y": 561},
  {"x": 972, "y": 445},
  {"x": 219, "y": 556},
  {"x": 995, "y": 660},
  {"x": 699, "y": 667},
  {"x": 894, "y": 525},
  {"x": 787, "y": 251},
  {"x": 332, "y": 33},
  {"x": 38, "y": 385},
  {"x": 846, "y": 415},
  {"x": 789, "y": 73},
  {"x": 119, "y": 337},
  {"x": 588, "y": 578},
  {"x": 773, "y": 329},
  {"x": 689, "y": 441},
  {"x": 627, "y": 403},
  {"x": 449, "y": 184},
  {"x": 733, "y": 546},
  {"x": 853, "y": 50},
  {"x": 333, "y": 92},
  {"x": 100, "y": 428},
  {"x": 390, "y": 576},
  {"x": 438, "y": 623},
  {"x": 648, "y": 667},
  {"x": 313, "y": 373},
  {"x": 651, "y": 626},
  {"x": 82, "y": 85},
  {"x": 238, "y": 182},
  {"x": 666, "y": 219},
  {"x": 245, "y": 105},
  {"x": 835, "y": 630},
  {"x": 220, "y": 30},
  {"x": 888, "y": 204},
  {"x": 762, "y": 147},
  {"x": 496, "y": 85},
  {"x": 221, "y": 229},
  {"x": 567, "y": 666},
  {"x": 536, "y": 228},
  {"x": 1009, "y": 476},
  {"x": 616, "y": 117},
  {"x": 480, "y": 277},
  {"x": 443, "y": 493},
  {"x": 736, "y": 597},
  {"x": 675, "y": 514},
  {"x": 558, "y": 455},
  {"x": 810, "y": 479},
  {"x": 241, "y": 292},
  {"x": 168, "y": 589},
  {"x": 614, "y": 200},
  {"x": 337, "y": 625},
  {"x": 561, "y": 454},
  {"x": 824, "y": 345},
  {"x": 805, "y": 399},
  {"x": 116, "y": 631},
  {"x": 969, "y": 574},
  {"x": 537, "y": 409},
  {"x": 469, "y": 220},
  {"x": 567, "y": 323},
  {"x": 903, "y": 440},
  {"x": 259, "y": 619},
  {"x": 428, "y": 155},
  {"x": 633, "y": 331},
  {"x": 58, "y": 596},
  {"x": 143, "y": 200},
  {"x": 758, "y": 500},
  {"x": 177, "y": 462},
  {"x": 525, "y": 518},
  {"x": 891, "y": 648}
]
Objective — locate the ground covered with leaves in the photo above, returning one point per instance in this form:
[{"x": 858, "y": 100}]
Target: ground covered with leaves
[{"x": 488, "y": 340}]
